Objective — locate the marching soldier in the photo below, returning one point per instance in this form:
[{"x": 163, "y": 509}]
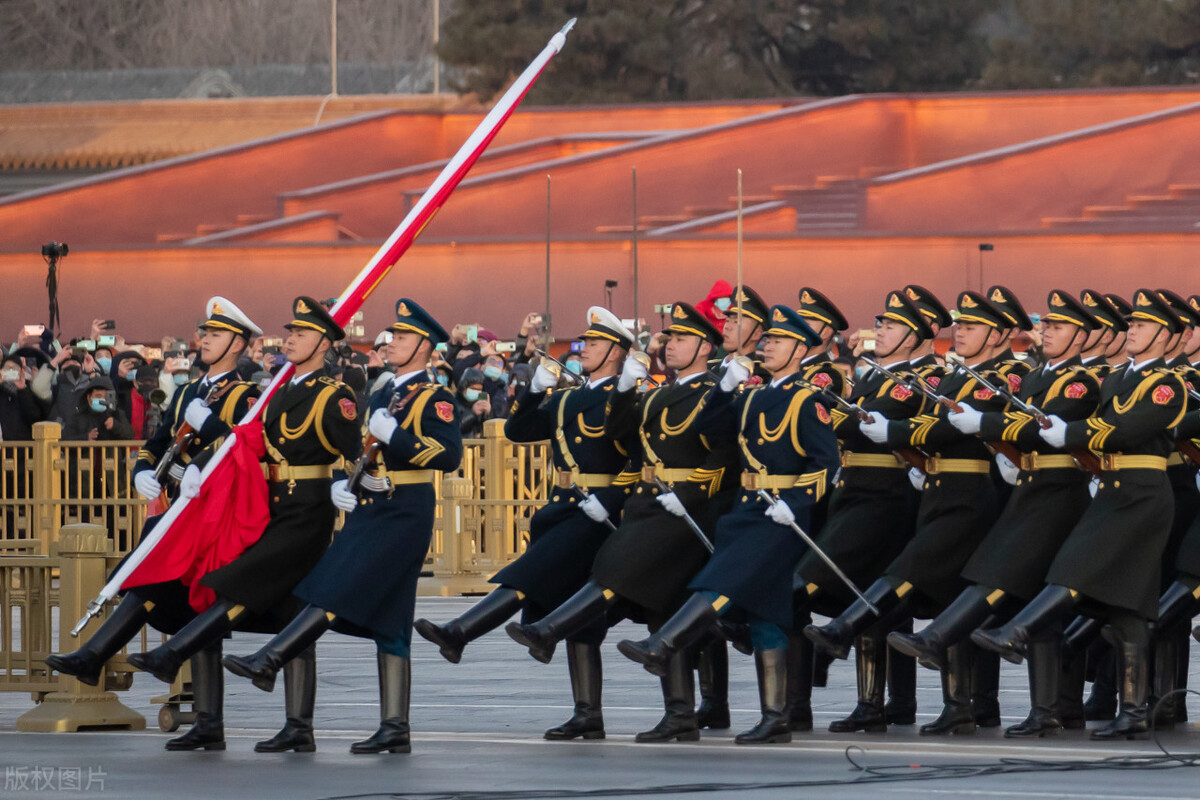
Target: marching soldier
[
  {"x": 567, "y": 532},
  {"x": 366, "y": 582},
  {"x": 924, "y": 357},
  {"x": 789, "y": 449},
  {"x": 1050, "y": 496},
  {"x": 310, "y": 426},
  {"x": 741, "y": 335},
  {"x": 958, "y": 505},
  {"x": 1101, "y": 340},
  {"x": 1116, "y": 355},
  {"x": 827, "y": 322},
  {"x": 1110, "y": 562},
  {"x": 687, "y": 478},
  {"x": 199, "y": 414},
  {"x": 872, "y": 510}
]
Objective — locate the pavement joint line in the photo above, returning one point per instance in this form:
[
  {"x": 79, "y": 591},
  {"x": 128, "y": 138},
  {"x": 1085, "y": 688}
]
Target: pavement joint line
[{"x": 999, "y": 793}]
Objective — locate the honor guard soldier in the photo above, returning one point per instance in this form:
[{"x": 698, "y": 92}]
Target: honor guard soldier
[
  {"x": 1110, "y": 562},
  {"x": 924, "y": 357},
  {"x": 958, "y": 505},
  {"x": 1113, "y": 326},
  {"x": 827, "y": 322},
  {"x": 789, "y": 449},
  {"x": 1011, "y": 367},
  {"x": 687, "y": 479},
  {"x": 366, "y": 582},
  {"x": 199, "y": 414},
  {"x": 871, "y": 517},
  {"x": 1050, "y": 495},
  {"x": 309, "y": 427},
  {"x": 566, "y": 533},
  {"x": 1116, "y": 354},
  {"x": 741, "y": 336}
]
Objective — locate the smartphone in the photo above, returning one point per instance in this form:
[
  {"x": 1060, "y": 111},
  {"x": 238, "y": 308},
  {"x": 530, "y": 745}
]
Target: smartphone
[
  {"x": 869, "y": 345},
  {"x": 106, "y": 341},
  {"x": 87, "y": 344},
  {"x": 506, "y": 347},
  {"x": 866, "y": 335},
  {"x": 536, "y": 319},
  {"x": 270, "y": 350},
  {"x": 109, "y": 325},
  {"x": 35, "y": 330},
  {"x": 440, "y": 347},
  {"x": 176, "y": 354},
  {"x": 472, "y": 333},
  {"x": 78, "y": 353},
  {"x": 152, "y": 353},
  {"x": 576, "y": 347}
]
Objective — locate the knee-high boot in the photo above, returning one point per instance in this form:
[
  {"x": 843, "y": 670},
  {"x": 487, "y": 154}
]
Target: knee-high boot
[
  {"x": 870, "y": 654},
  {"x": 901, "y": 706},
  {"x": 1101, "y": 704},
  {"x": 395, "y": 691},
  {"x": 956, "y": 716},
  {"x": 712, "y": 669},
  {"x": 968, "y": 611},
  {"x": 1070, "y": 692},
  {"x": 679, "y": 695},
  {"x": 87, "y": 663},
  {"x": 693, "y": 619},
  {"x": 985, "y": 689},
  {"x": 1164, "y": 648},
  {"x": 298, "y": 635},
  {"x": 583, "y": 664},
  {"x": 300, "y": 697},
  {"x": 164, "y": 661},
  {"x": 774, "y": 726},
  {"x": 1130, "y": 721},
  {"x": 486, "y": 615},
  {"x": 1050, "y": 606},
  {"x": 838, "y": 635},
  {"x": 800, "y": 677},
  {"x": 1045, "y": 667},
  {"x": 208, "y": 700},
  {"x": 572, "y": 616}
]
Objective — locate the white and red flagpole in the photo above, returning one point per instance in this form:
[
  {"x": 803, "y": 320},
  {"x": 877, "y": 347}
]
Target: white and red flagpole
[{"x": 359, "y": 289}]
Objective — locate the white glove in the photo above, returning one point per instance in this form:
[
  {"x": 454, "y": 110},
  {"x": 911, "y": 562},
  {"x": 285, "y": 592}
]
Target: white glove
[
  {"x": 916, "y": 478},
  {"x": 342, "y": 498},
  {"x": 631, "y": 373},
  {"x": 189, "y": 485},
  {"x": 1198, "y": 480},
  {"x": 146, "y": 485},
  {"x": 1008, "y": 470},
  {"x": 780, "y": 513},
  {"x": 875, "y": 428},
  {"x": 594, "y": 508},
  {"x": 735, "y": 375},
  {"x": 382, "y": 425},
  {"x": 1056, "y": 434},
  {"x": 543, "y": 379},
  {"x": 196, "y": 414},
  {"x": 967, "y": 421},
  {"x": 1094, "y": 485},
  {"x": 670, "y": 501}
]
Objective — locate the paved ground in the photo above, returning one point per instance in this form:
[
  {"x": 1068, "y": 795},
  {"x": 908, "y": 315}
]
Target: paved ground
[{"x": 477, "y": 733}]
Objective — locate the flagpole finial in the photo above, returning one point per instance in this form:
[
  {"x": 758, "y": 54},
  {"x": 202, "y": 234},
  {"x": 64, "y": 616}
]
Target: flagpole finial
[{"x": 559, "y": 40}]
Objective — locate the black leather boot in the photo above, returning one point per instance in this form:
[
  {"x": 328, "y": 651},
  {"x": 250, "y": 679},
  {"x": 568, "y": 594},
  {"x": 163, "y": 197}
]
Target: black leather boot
[
  {"x": 87, "y": 663},
  {"x": 712, "y": 669},
  {"x": 684, "y": 628},
  {"x": 901, "y": 706},
  {"x": 1130, "y": 722},
  {"x": 164, "y": 661},
  {"x": 583, "y": 664},
  {"x": 1101, "y": 705},
  {"x": 774, "y": 727},
  {"x": 1050, "y": 606},
  {"x": 1161, "y": 703},
  {"x": 870, "y": 661},
  {"x": 572, "y": 616},
  {"x": 838, "y": 635},
  {"x": 968, "y": 611},
  {"x": 821, "y": 663},
  {"x": 208, "y": 700},
  {"x": 1070, "y": 693},
  {"x": 486, "y": 615},
  {"x": 1045, "y": 666},
  {"x": 298, "y": 635},
  {"x": 679, "y": 723},
  {"x": 1079, "y": 635},
  {"x": 395, "y": 689},
  {"x": 956, "y": 716},
  {"x": 299, "y": 698},
  {"x": 737, "y": 634},
  {"x": 800, "y": 660},
  {"x": 985, "y": 689},
  {"x": 1182, "y": 666}
]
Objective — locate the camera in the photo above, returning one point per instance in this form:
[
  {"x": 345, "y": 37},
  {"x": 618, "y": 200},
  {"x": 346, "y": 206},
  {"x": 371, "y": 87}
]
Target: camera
[{"x": 54, "y": 249}]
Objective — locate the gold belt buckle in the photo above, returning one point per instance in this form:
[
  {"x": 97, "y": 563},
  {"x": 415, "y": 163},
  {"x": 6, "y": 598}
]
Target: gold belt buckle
[
  {"x": 751, "y": 480},
  {"x": 1028, "y": 462},
  {"x": 931, "y": 465},
  {"x": 1108, "y": 462},
  {"x": 648, "y": 474}
]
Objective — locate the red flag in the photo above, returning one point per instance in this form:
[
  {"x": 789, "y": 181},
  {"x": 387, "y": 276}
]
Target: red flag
[{"x": 230, "y": 516}]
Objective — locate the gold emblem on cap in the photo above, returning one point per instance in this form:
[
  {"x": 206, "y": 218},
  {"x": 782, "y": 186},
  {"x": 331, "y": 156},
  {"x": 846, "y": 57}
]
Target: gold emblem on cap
[
  {"x": 217, "y": 309},
  {"x": 1143, "y": 300},
  {"x": 595, "y": 318},
  {"x": 778, "y": 316},
  {"x": 1056, "y": 300},
  {"x": 912, "y": 294},
  {"x": 302, "y": 307},
  {"x": 1194, "y": 303},
  {"x": 403, "y": 310},
  {"x": 894, "y": 301},
  {"x": 967, "y": 302},
  {"x": 998, "y": 296},
  {"x": 1090, "y": 300},
  {"x": 679, "y": 313},
  {"x": 807, "y": 298}
]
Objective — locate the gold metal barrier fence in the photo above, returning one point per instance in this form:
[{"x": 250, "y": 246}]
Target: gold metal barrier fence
[{"x": 68, "y": 514}]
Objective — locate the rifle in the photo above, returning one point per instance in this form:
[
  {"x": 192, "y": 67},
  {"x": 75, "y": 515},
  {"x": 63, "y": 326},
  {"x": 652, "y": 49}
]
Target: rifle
[
  {"x": 184, "y": 435},
  {"x": 365, "y": 463},
  {"x": 914, "y": 458},
  {"x": 1086, "y": 459},
  {"x": 1185, "y": 446}
]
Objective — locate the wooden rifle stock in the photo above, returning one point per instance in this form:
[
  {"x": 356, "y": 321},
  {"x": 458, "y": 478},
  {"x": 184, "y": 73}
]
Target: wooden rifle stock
[
  {"x": 371, "y": 445},
  {"x": 184, "y": 435}
]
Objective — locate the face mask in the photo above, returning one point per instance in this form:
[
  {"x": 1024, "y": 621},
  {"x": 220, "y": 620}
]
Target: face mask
[
  {"x": 180, "y": 378},
  {"x": 11, "y": 375},
  {"x": 98, "y": 404},
  {"x": 472, "y": 395},
  {"x": 860, "y": 371},
  {"x": 443, "y": 379},
  {"x": 723, "y": 303},
  {"x": 104, "y": 363},
  {"x": 575, "y": 366},
  {"x": 493, "y": 372}
]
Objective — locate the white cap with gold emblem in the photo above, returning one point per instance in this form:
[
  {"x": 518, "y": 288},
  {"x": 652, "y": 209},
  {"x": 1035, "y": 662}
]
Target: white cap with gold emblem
[
  {"x": 225, "y": 316},
  {"x": 603, "y": 324}
]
